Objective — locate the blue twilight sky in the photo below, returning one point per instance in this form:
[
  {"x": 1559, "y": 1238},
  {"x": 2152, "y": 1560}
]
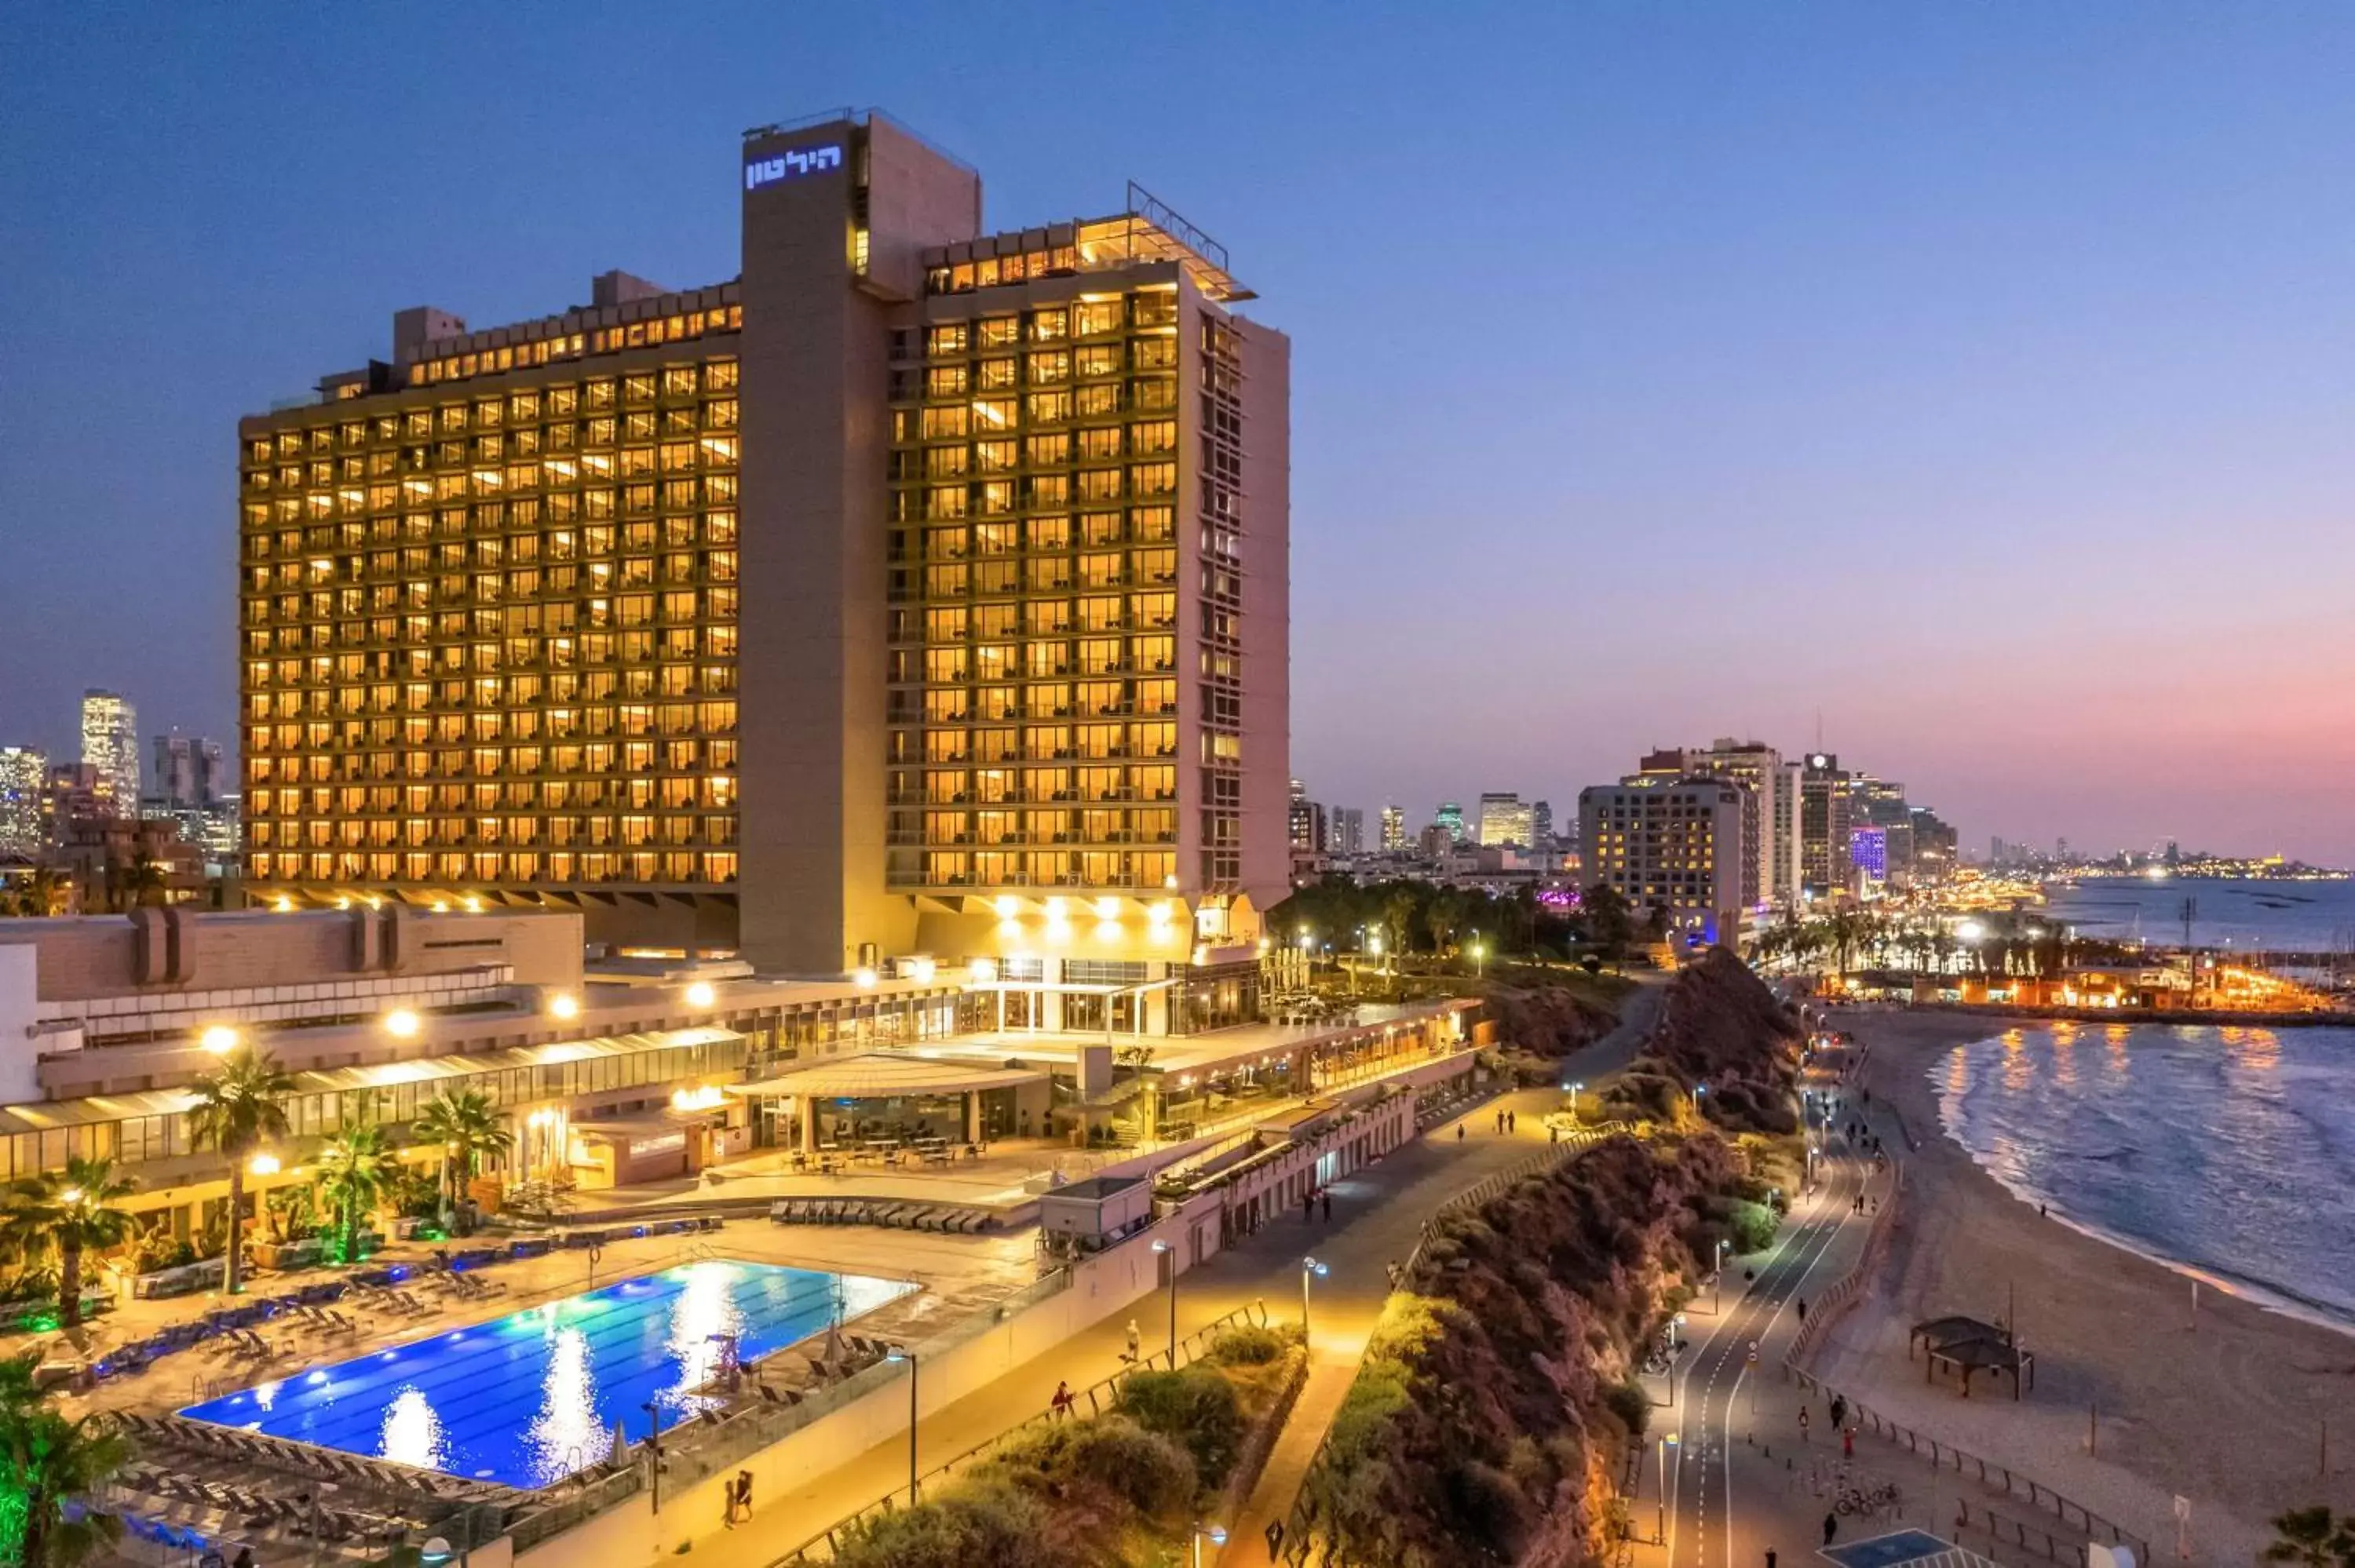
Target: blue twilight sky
[{"x": 1976, "y": 376}]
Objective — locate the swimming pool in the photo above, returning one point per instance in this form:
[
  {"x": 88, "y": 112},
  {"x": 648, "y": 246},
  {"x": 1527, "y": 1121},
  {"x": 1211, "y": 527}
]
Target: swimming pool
[{"x": 529, "y": 1398}]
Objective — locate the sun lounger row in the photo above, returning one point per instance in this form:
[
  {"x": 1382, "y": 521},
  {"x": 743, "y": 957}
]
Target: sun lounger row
[
  {"x": 239, "y": 1446},
  {"x": 943, "y": 1218}
]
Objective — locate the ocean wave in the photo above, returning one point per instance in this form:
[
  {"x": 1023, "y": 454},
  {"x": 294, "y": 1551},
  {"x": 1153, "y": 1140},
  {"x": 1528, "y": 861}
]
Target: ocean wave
[{"x": 2219, "y": 1152}]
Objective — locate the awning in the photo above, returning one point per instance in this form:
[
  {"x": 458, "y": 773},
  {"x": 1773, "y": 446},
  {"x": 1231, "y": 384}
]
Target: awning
[{"x": 875, "y": 1076}]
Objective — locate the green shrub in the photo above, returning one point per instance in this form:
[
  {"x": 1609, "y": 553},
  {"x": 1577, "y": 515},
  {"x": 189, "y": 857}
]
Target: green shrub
[
  {"x": 1753, "y": 1226},
  {"x": 1248, "y": 1345},
  {"x": 978, "y": 1521},
  {"x": 1630, "y": 1404},
  {"x": 1195, "y": 1408},
  {"x": 1149, "y": 1472}
]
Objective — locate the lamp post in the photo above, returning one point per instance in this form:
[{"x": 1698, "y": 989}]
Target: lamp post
[
  {"x": 902, "y": 1353},
  {"x": 1667, "y": 1443},
  {"x": 653, "y": 1444},
  {"x": 1163, "y": 1249},
  {"x": 1575, "y": 1091},
  {"x": 1716, "y": 1282},
  {"x": 1215, "y": 1533},
  {"x": 1309, "y": 1268}
]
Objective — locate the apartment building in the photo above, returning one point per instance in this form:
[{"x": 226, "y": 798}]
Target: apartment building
[
  {"x": 109, "y": 743},
  {"x": 921, "y": 590},
  {"x": 1674, "y": 844}
]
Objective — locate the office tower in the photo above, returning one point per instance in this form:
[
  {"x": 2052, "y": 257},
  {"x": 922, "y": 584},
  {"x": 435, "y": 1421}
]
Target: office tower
[
  {"x": 1503, "y": 820},
  {"x": 1393, "y": 828},
  {"x": 1674, "y": 844},
  {"x": 1824, "y": 798},
  {"x": 1300, "y": 819},
  {"x": 109, "y": 743},
  {"x": 1450, "y": 816},
  {"x": 24, "y": 781},
  {"x": 1346, "y": 831},
  {"x": 1007, "y": 627},
  {"x": 1996, "y": 856},
  {"x": 1541, "y": 826},
  {"x": 189, "y": 772}
]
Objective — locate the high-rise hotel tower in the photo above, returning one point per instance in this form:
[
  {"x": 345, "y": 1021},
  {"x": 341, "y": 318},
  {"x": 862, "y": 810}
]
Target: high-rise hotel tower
[{"x": 919, "y": 591}]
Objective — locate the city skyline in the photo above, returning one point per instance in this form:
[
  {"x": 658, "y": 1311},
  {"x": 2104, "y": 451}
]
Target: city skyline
[{"x": 1947, "y": 346}]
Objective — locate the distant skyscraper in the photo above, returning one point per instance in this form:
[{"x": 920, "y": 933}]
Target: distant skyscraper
[
  {"x": 188, "y": 771},
  {"x": 23, "y": 779},
  {"x": 1541, "y": 825},
  {"x": 1996, "y": 848},
  {"x": 1451, "y": 817},
  {"x": 1346, "y": 831},
  {"x": 109, "y": 743},
  {"x": 1769, "y": 814},
  {"x": 1393, "y": 828},
  {"x": 1306, "y": 822},
  {"x": 1505, "y": 819},
  {"x": 1824, "y": 797}
]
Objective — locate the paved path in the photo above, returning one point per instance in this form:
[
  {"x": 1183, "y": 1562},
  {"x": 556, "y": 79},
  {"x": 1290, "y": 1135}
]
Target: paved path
[{"x": 1377, "y": 1212}]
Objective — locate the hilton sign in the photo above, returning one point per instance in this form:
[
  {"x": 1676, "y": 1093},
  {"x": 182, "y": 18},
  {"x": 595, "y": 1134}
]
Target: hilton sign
[{"x": 791, "y": 166}]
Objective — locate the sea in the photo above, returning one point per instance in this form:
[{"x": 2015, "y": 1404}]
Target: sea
[
  {"x": 2225, "y": 1153},
  {"x": 2275, "y": 917}
]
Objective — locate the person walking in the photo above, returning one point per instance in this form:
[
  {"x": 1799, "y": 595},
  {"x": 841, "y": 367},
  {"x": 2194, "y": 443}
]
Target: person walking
[
  {"x": 1802, "y": 1424},
  {"x": 1135, "y": 1339},
  {"x": 1839, "y": 1410},
  {"x": 1308, "y": 1205},
  {"x": 1848, "y": 1442},
  {"x": 1831, "y": 1527},
  {"x": 744, "y": 1495},
  {"x": 1803, "y": 1309},
  {"x": 1061, "y": 1405},
  {"x": 1500, "y": 1118},
  {"x": 1328, "y": 1205},
  {"x": 1459, "y": 1133},
  {"x": 1512, "y": 1121}
]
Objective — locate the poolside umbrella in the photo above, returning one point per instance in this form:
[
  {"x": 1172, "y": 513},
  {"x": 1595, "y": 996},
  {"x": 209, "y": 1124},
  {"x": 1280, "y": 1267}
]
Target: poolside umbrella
[{"x": 620, "y": 1453}]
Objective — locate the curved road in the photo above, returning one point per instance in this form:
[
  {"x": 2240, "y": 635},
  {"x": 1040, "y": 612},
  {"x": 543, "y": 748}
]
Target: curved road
[{"x": 1703, "y": 1530}]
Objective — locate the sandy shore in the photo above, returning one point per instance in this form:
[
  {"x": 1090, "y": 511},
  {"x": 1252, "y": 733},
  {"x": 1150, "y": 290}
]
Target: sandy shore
[{"x": 2229, "y": 1413}]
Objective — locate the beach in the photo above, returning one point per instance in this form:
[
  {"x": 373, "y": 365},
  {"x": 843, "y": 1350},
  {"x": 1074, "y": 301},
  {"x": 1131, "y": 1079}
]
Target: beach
[{"x": 2228, "y": 1412}]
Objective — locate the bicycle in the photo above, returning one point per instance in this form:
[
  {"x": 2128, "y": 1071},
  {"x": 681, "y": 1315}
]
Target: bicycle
[{"x": 1877, "y": 1499}]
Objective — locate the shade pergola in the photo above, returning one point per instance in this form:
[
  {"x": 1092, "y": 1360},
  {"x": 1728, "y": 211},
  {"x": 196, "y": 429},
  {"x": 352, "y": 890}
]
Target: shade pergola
[
  {"x": 876, "y": 1075},
  {"x": 1971, "y": 1346}
]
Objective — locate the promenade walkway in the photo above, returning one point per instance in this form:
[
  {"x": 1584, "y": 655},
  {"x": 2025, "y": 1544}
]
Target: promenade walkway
[{"x": 1377, "y": 1212}]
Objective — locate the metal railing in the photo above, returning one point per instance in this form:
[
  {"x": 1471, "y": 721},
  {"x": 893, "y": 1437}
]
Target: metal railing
[{"x": 1099, "y": 1396}]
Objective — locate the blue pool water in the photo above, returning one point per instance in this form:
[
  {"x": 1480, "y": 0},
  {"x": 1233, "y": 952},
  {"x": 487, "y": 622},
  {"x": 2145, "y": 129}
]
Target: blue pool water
[{"x": 529, "y": 1398}]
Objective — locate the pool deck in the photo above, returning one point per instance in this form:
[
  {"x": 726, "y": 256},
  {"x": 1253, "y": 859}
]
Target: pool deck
[{"x": 959, "y": 1274}]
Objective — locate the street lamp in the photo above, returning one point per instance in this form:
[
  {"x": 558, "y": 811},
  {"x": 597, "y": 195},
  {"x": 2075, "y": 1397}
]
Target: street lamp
[
  {"x": 1308, "y": 1267},
  {"x": 1162, "y": 1248},
  {"x": 1574, "y": 1089},
  {"x": 1667, "y": 1443},
  {"x": 1717, "y": 1284},
  {"x": 400, "y": 1021},
  {"x": 1479, "y": 956},
  {"x": 219, "y": 1040},
  {"x": 902, "y": 1353},
  {"x": 699, "y": 995},
  {"x": 1215, "y": 1533},
  {"x": 654, "y": 1446}
]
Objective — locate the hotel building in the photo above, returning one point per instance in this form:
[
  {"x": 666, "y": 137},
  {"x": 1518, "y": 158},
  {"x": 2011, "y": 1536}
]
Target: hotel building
[
  {"x": 1676, "y": 844},
  {"x": 920, "y": 591}
]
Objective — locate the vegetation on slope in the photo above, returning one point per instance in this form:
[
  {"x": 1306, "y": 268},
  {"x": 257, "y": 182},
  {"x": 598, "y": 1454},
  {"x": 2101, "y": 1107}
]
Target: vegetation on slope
[{"x": 1720, "y": 1028}]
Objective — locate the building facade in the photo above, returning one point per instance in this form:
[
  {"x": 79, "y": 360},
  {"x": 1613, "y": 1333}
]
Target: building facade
[
  {"x": 1345, "y": 831},
  {"x": 1824, "y": 799},
  {"x": 110, "y": 744},
  {"x": 1449, "y": 817},
  {"x": 24, "y": 787},
  {"x": 899, "y": 595},
  {"x": 1393, "y": 829},
  {"x": 189, "y": 772},
  {"x": 1675, "y": 846},
  {"x": 1506, "y": 819}
]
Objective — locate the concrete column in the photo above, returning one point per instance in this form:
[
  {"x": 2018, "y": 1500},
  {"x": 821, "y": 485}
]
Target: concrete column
[
  {"x": 809, "y": 1123},
  {"x": 973, "y": 1116}
]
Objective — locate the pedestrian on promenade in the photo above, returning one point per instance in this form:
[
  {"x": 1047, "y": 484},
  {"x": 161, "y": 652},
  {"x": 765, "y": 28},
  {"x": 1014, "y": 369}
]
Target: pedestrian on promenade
[
  {"x": 1802, "y": 1424},
  {"x": 1328, "y": 1203},
  {"x": 1554, "y": 1134},
  {"x": 1500, "y": 1118},
  {"x": 1061, "y": 1405},
  {"x": 1839, "y": 1410},
  {"x": 1831, "y": 1527},
  {"x": 1803, "y": 1309},
  {"x": 1848, "y": 1442},
  {"x": 1512, "y": 1121},
  {"x": 1308, "y": 1205},
  {"x": 1135, "y": 1339},
  {"x": 1459, "y": 1133}
]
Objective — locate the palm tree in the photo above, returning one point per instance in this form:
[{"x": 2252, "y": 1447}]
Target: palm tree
[
  {"x": 466, "y": 1125},
  {"x": 46, "y": 1463},
  {"x": 72, "y": 1210},
  {"x": 2311, "y": 1538},
  {"x": 41, "y": 895},
  {"x": 237, "y": 1111},
  {"x": 353, "y": 1170}
]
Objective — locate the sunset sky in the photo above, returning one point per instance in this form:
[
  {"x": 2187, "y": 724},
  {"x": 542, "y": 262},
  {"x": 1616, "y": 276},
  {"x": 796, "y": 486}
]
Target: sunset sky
[{"x": 1978, "y": 377}]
